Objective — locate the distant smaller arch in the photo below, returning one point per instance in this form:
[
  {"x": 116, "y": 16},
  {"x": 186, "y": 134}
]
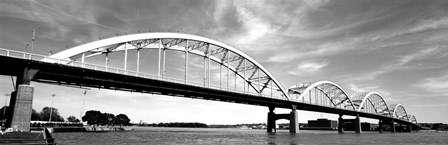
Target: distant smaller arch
[
  {"x": 398, "y": 111},
  {"x": 366, "y": 100},
  {"x": 412, "y": 119},
  {"x": 332, "y": 91}
]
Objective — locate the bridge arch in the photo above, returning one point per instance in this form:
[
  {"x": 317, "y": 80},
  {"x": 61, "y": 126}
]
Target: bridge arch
[
  {"x": 337, "y": 96},
  {"x": 398, "y": 111},
  {"x": 371, "y": 102},
  {"x": 223, "y": 54},
  {"x": 412, "y": 119}
]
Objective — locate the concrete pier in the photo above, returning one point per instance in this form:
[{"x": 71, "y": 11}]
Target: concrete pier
[
  {"x": 341, "y": 124},
  {"x": 271, "y": 120},
  {"x": 21, "y": 114},
  {"x": 293, "y": 118},
  {"x": 294, "y": 121},
  {"x": 409, "y": 128},
  {"x": 380, "y": 126},
  {"x": 358, "y": 124},
  {"x": 392, "y": 126}
]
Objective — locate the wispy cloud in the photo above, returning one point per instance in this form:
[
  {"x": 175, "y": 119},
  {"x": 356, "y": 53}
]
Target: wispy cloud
[
  {"x": 430, "y": 105},
  {"x": 305, "y": 68},
  {"x": 400, "y": 63},
  {"x": 430, "y": 25},
  {"x": 436, "y": 85}
]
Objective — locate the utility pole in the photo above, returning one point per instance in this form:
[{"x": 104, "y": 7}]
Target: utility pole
[{"x": 51, "y": 109}]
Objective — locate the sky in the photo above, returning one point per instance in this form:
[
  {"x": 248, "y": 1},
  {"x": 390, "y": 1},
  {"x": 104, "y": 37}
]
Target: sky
[{"x": 397, "y": 48}]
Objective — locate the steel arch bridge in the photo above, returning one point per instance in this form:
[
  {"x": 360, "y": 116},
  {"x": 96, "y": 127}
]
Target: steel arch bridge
[
  {"x": 255, "y": 76},
  {"x": 242, "y": 76}
]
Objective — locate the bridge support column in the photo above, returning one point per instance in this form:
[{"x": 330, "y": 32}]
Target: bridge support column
[
  {"x": 357, "y": 124},
  {"x": 21, "y": 102},
  {"x": 21, "y": 113},
  {"x": 380, "y": 126},
  {"x": 392, "y": 126},
  {"x": 271, "y": 120},
  {"x": 294, "y": 120},
  {"x": 409, "y": 128},
  {"x": 340, "y": 124}
]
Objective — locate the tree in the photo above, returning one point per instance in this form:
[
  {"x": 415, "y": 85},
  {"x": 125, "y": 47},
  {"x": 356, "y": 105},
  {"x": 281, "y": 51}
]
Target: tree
[
  {"x": 45, "y": 114},
  {"x": 72, "y": 119},
  {"x": 108, "y": 118},
  {"x": 35, "y": 116},
  {"x": 122, "y": 119},
  {"x": 92, "y": 117}
]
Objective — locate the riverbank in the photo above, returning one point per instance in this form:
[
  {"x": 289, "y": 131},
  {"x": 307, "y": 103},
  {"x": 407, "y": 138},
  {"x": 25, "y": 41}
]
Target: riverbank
[{"x": 86, "y": 129}]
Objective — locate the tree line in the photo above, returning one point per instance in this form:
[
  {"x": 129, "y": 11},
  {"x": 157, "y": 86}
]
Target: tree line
[
  {"x": 178, "y": 124},
  {"x": 94, "y": 117},
  {"x": 43, "y": 115}
]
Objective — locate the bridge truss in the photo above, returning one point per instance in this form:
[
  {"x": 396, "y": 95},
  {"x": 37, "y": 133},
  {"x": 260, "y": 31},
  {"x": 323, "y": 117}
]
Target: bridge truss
[{"x": 224, "y": 67}]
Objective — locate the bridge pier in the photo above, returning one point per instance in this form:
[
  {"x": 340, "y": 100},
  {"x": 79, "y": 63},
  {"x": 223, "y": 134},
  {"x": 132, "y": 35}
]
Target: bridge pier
[
  {"x": 271, "y": 120},
  {"x": 380, "y": 126},
  {"x": 293, "y": 118},
  {"x": 409, "y": 128},
  {"x": 357, "y": 124},
  {"x": 340, "y": 124},
  {"x": 392, "y": 126},
  {"x": 21, "y": 102}
]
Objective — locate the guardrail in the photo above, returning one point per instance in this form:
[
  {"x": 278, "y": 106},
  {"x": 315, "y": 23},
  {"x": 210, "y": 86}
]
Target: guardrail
[{"x": 37, "y": 57}]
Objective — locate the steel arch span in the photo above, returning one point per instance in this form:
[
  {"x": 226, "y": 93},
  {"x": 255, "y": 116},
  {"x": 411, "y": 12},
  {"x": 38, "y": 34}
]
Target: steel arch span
[
  {"x": 398, "y": 111},
  {"x": 412, "y": 119},
  {"x": 371, "y": 102},
  {"x": 314, "y": 93},
  {"x": 253, "y": 73}
]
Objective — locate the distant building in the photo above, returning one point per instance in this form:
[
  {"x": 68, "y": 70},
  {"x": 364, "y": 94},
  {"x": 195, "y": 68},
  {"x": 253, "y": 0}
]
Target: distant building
[
  {"x": 322, "y": 124},
  {"x": 365, "y": 126}
]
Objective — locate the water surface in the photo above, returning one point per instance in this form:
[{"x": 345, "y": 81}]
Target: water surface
[{"x": 213, "y": 136}]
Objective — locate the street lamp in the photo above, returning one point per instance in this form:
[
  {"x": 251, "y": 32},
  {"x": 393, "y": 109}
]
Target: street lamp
[{"x": 51, "y": 109}]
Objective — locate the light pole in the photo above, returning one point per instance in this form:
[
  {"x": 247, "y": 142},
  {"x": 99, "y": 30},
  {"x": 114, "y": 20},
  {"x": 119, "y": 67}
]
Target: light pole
[
  {"x": 51, "y": 109},
  {"x": 83, "y": 104},
  {"x": 4, "y": 108}
]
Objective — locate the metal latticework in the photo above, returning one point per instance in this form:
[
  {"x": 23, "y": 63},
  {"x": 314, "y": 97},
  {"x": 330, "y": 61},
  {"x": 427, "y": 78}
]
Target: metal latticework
[
  {"x": 223, "y": 67},
  {"x": 412, "y": 119},
  {"x": 371, "y": 102},
  {"x": 324, "y": 93},
  {"x": 399, "y": 112}
]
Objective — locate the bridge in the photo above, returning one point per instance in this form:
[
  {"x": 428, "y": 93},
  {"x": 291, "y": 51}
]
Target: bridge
[{"x": 187, "y": 66}]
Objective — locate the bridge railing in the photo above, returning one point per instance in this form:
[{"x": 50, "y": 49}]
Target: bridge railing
[{"x": 37, "y": 57}]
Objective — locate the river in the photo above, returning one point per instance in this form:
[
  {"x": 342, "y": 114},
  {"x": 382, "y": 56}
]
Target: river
[{"x": 213, "y": 136}]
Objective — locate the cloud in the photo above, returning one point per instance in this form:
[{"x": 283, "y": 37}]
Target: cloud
[
  {"x": 355, "y": 88},
  {"x": 436, "y": 85},
  {"x": 317, "y": 50},
  {"x": 307, "y": 67},
  {"x": 430, "y": 105},
  {"x": 400, "y": 64},
  {"x": 430, "y": 25},
  {"x": 254, "y": 26}
]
